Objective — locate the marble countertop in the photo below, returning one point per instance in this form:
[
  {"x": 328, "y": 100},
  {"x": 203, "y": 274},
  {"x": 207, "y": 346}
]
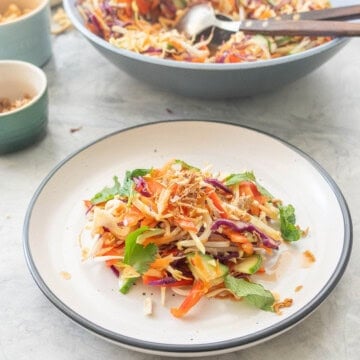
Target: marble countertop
[{"x": 320, "y": 114}]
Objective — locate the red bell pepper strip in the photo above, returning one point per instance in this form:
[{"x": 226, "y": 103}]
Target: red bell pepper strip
[
  {"x": 217, "y": 203},
  {"x": 250, "y": 189}
]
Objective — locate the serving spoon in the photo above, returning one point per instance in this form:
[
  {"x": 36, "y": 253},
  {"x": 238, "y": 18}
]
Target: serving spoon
[{"x": 202, "y": 16}]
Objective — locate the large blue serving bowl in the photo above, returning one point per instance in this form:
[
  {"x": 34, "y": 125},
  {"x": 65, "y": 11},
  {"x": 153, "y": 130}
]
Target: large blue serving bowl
[{"x": 212, "y": 80}]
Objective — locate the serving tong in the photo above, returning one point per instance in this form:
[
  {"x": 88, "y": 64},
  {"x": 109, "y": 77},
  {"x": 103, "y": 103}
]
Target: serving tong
[{"x": 327, "y": 22}]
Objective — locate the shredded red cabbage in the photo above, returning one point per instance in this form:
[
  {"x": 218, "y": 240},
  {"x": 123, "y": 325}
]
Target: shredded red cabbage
[
  {"x": 115, "y": 270},
  {"x": 141, "y": 186},
  {"x": 152, "y": 50},
  {"x": 163, "y": 281},
  {"x": 106, "y": 8},
  {"x": 218, "y": 184},
  {"x": 168, "y": 8},
  {"x": 89, "y": 209},
  {"x": 224, "y": 258},
  {"x": 93, "y": 20},
  {"x": 239, "y": 226}
]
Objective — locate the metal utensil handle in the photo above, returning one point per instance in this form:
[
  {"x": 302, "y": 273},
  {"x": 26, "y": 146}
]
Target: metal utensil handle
[
  {"x": 336, "y": 13},
  {"x": 301, "y": 28}
]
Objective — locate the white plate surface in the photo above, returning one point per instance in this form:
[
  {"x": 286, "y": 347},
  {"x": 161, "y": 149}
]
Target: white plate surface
[{"x": 56, "y": 216}]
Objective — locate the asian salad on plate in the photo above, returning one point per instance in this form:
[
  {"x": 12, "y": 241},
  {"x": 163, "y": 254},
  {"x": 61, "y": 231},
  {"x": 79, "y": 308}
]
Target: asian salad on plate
[{"x": 187, "y": 230}]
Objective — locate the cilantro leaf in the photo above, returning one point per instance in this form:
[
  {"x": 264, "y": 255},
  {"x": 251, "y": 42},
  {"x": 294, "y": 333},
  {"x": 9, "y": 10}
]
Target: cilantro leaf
[
  {"x": 137, "y": 256},
  {"x": 289, "y": 230},
  {"x": 107, "y": 193},
  {"x": 128, "y": 184},
  {"x": 253, "y": 293},
  {"x": 186, "y": 165},
  {"x": 234, "y": 179}
]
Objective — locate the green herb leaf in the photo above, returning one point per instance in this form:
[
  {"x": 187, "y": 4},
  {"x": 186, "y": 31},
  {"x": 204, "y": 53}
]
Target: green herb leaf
[
  {"x": 138, "y": 256},
  {"x": 127, "y": 284},
  {"x": 127, "y": 189},
  {"x": 289, "y": 230},
  {"x": 107, "y": 193},
  {"x": 149, "y": 233},
  {"x": 282, "y": 40},
  {"x": 253, "y": 293},
  {"x": 186, "y": 165},
  {"x": 234, "y": 179}
]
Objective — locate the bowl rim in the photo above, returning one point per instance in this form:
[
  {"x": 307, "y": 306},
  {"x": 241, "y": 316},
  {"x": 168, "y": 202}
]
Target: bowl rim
[
  {"x": 40, "y": 73},
  {"x": 31, "y": 13},
  {"x": 70, "y": 6}
]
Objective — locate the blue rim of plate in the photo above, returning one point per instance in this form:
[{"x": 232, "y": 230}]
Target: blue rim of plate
[
  {"x": 70, "y": 9},
  {"x": 214, "y": 347}
]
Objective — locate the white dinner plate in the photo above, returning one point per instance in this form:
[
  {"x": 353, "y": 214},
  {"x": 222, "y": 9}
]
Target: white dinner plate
[{"x": 90, "y": 297}]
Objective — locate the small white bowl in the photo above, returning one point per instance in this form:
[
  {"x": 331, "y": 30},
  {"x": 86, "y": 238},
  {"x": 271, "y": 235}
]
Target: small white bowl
[{"x": 27, "y": 124}]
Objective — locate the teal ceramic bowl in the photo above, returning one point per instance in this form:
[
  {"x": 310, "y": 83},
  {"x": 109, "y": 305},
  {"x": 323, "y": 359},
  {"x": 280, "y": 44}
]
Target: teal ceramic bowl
[
  {"x": 27, "y": 38},
  {"x": 23, "y": 126},
  {"x": 215, "y": 81}
]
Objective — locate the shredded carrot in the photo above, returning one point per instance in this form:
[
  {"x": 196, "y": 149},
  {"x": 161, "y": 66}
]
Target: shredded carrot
[
  {"x": 236, "y": 237},
  {"x": 185, "y": 223},
  {"x": 217, "y": 203},
  {"x": 162, "y": 263},
  {"x": 248, "y": 248}
]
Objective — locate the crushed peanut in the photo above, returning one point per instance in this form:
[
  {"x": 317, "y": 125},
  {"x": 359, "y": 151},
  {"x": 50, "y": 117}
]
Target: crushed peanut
[
  {"x": 308, "y": 259},
  {"x": 61, "y": 22},
  {"x": 65, "y": 275},
  {"x": 305, "y": 232},
  {"x": 12, "y": 13},
  {"x": 282, "y": 304},
  {"x": 309, "y": 256},
  {"x": 7, "y": 105},
  {"x": 298, "y": 288}
]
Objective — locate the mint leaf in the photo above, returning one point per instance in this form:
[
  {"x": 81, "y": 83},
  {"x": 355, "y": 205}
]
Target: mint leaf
[
  {"x": 253, "y": 293},
  {"x": 107, "y": 193},
  {"x": 235, "y": 179},
  {"x": 288, "y": 228},
  {"x": 138, "y": 256},
  {"x": 127, "y": 189},
  {"x": 186, "y": 165}
]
